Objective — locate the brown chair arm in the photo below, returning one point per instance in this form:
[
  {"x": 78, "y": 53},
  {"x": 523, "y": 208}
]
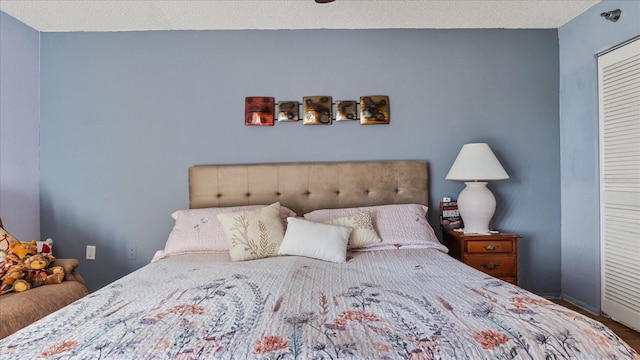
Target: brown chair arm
[{"x": 69, "y": 266}]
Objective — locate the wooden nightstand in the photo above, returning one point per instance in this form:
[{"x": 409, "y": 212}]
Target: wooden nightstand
[{"x": 494, "y": 254}]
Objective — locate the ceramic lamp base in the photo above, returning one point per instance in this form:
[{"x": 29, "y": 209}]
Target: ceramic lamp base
[{"x": 477, "y": 205}]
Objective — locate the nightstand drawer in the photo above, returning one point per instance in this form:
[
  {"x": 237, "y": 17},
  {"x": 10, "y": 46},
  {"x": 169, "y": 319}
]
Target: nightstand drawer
[
  {"x": 493, "y": 265},
  {"x": 489, "y": 246}
]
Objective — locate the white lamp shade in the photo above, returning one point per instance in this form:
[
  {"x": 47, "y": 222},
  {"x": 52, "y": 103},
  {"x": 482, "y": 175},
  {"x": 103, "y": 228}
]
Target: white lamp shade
[{"x": 476, "y": 162}]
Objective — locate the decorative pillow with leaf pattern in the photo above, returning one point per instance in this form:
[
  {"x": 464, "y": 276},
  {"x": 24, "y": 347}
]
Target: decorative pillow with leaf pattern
[
  {"x": 362, "y": 225},
  {"x": 253, "y": 234}
]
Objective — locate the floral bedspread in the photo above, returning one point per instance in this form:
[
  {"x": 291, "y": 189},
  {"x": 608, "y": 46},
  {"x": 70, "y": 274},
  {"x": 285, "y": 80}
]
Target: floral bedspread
[{"x": 392, "y": 304}]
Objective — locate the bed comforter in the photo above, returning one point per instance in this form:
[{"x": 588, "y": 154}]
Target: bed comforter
[{"x": 391, "y": 304}]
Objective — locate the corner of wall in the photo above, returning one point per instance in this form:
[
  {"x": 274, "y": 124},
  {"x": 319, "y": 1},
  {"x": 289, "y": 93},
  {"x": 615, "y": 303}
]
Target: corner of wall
[{"x": 20, "y": 127}]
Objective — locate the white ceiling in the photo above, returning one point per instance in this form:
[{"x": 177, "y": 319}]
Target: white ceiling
[{"x": 126, "y": 15}]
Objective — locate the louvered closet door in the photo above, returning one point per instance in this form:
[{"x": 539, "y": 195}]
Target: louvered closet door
[{"x": 619, "y": 106}]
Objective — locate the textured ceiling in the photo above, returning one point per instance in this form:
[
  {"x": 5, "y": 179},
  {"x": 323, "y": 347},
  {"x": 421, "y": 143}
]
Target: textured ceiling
[{"x": 125, "y": 15}]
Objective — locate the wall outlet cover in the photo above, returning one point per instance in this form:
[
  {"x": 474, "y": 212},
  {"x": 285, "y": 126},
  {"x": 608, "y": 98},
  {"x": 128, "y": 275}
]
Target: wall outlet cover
[
  {"x": 91, "y": 252},
  {"x": 131, "y": 254}
]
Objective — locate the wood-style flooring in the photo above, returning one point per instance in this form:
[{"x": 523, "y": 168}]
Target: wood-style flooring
[{"x": 629, "y": 336}]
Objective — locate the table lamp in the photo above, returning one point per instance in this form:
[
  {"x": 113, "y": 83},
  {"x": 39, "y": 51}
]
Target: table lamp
[{"x": 475, "y": 164}]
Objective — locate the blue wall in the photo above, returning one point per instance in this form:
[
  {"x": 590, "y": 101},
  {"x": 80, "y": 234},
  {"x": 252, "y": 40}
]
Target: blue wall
[
  {"x": 580, "y": 42},
  {"x": 125, "y": 114},
  {"x": 19, "y": 128}
]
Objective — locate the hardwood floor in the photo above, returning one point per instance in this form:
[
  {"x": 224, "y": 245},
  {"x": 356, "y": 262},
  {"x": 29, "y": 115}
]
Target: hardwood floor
[{"x": 629, "y": 336}]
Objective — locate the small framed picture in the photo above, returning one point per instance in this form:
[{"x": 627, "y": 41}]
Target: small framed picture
[
  {"x": 374, "y": 109},
  {"x": 346, "y": 110},
  {"x": 258, "y": 111},
  {"x": 288, "y": 111},
  {"x": 316, "y": 110}
]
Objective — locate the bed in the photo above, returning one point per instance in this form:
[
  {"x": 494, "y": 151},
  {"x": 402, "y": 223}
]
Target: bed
[{"x": 401, "y": 297}]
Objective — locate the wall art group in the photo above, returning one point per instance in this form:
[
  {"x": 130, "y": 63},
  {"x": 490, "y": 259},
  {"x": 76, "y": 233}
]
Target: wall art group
[{"x": 316, "y": 110}]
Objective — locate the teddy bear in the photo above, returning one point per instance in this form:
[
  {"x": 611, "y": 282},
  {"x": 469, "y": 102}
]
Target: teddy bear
[
  {"x": 23, "y": 249},
  {"x": 12, "y": 267},
  {"x": 11, "y": 275},
  {"x": 38, "y": 273}
]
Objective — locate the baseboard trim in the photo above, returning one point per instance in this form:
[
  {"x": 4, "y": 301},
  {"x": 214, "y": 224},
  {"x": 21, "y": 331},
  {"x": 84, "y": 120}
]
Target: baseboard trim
[
  {"x": 593, "y": 310},
  {"x": 550, "y": 295}
]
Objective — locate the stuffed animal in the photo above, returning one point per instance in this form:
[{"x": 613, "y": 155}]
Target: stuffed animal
[
  {"x": 23, "y": 249},
  {"x": 13, "y": 273},
  {"x": 38, "y": 273},
  {"x": 12, "y": 266}
]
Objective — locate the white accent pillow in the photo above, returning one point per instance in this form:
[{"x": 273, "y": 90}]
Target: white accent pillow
[
  {"x": 253, "y": 234},
  {"x": 363, "y": 231},
  {"x": 45, "y": 247},
  {"x": 200, "y": 231},
  {"x": 315, "y": 240},
  {"x": 399, "y": 226}
]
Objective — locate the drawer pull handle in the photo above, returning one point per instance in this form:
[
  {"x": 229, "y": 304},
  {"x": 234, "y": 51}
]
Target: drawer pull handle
[
  {"x": 490, "y": 247},
  {"x": 490, "y": 266}
]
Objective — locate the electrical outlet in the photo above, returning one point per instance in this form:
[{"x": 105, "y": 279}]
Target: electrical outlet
[
  {"x": 132, "y": 253},
  {"x": 91, "y": 252}
]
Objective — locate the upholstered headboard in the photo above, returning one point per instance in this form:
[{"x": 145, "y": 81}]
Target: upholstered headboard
[{"x": 304, "y": 187}]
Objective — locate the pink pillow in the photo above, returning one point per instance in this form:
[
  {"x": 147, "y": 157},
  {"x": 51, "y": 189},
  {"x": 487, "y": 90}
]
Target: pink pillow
[
  {"x": 399, "y": 226},
  {"x": 199, "y": 230}
]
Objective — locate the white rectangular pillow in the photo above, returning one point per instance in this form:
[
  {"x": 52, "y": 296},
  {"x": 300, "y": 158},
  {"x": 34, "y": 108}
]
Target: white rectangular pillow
[{"x": 315, "y": 240}]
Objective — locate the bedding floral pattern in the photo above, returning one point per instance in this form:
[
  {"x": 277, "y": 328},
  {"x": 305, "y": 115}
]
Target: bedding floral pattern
[{"x": 391, "y": 304}]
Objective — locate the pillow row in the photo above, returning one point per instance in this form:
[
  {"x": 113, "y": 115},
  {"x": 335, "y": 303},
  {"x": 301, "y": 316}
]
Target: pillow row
[
  {"x": 255, "y": 234},
  {"x": 399, "y": 226},
  {"x": 200, "y": 231},
  {"x": 252, "y": 232}
]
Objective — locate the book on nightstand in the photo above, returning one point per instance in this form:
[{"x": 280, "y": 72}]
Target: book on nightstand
[{"x": 449, "y": 215}]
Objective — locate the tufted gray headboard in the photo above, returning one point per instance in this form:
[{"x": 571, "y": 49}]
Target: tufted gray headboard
[{"x": 304, "y": 187}]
